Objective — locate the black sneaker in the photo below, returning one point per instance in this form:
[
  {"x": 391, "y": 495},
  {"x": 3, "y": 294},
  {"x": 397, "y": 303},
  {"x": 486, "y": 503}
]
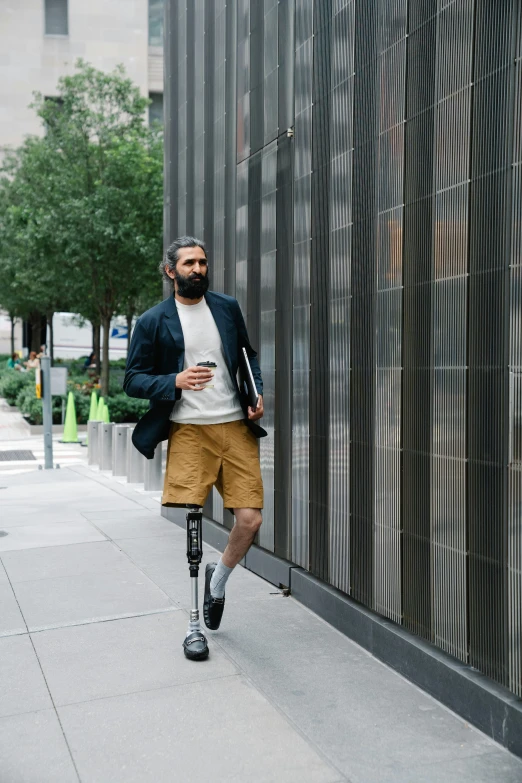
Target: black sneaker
[
  {"x": 195, "y": 646},
  {"x": 212, "y": 607}
]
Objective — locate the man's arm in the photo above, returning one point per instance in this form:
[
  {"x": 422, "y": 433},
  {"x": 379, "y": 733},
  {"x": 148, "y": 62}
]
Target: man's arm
[
  {"x": 140, "y": 378},
  {"x": 244, "y": 342}
]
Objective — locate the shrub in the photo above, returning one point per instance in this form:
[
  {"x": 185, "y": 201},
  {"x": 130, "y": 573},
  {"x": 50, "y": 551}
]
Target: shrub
[
  {"x": 12, "y": 382},
  {"x": 29, "y": 406},
  {"x": 124, "y": 409},
  {"x": 19, "y": 389}
]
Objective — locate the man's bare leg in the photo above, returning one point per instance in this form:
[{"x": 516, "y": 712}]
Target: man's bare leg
[{"x": 248, "y": 522}]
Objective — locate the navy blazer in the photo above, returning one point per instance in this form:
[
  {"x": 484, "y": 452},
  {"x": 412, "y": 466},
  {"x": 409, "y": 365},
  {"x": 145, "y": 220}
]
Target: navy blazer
[{"x": 157, "y": 355}]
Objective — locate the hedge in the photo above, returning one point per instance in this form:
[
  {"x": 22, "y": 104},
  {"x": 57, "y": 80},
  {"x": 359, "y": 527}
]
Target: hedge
[
  {"x": 12, "y": 382},
  {"x": 18, "y": 388}
]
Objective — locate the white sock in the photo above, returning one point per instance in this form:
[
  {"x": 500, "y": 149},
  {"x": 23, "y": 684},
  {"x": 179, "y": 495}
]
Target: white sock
[{"x": 219, "y": 579}]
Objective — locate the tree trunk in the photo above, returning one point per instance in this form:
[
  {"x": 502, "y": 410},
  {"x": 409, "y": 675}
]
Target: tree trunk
[
  {"x": 35, "y": 320},
  {"x": 96, "y": 345},
  {"x": 50, "y": 347},
  {"x": 106, "y": 323},
  {"x": 12, "y": 318},
  {"x": 129, "y": 318}
]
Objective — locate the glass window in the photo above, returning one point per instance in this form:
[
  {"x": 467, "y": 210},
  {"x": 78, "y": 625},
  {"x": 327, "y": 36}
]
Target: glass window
[
  {"x": 155, "y": 22},
  {"x": 56, "y": 17},
  {"x": 156, "y": 107}
]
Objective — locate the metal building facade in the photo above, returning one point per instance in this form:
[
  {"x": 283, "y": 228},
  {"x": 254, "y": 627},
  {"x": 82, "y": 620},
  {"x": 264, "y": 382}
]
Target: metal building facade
[{"x": 355, "y": 169}]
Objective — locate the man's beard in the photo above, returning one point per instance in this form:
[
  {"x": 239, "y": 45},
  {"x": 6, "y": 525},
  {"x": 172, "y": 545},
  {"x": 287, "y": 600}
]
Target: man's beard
[{"x": 190, "y": 288}]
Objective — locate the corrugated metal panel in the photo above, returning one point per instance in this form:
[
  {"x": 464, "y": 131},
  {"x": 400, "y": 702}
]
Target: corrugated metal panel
[
  {"x": 514, "y": 537},
  {"x": 388, "y": 312},
  {"x": 340, "y": 190},
  {"x": 301, "y": 283},
  {"x": 419, "y": 187},
  {"x": 268, "y": 249},
  {"x": 362, "y": 314},
  {"x": 488, "y": 387},
  {"x": 449, "y": 327}
]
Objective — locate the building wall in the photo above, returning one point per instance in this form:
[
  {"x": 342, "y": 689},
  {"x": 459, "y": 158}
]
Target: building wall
[
  {"x": 362, "y": 200},
  {"x": 102, "y": 33}
]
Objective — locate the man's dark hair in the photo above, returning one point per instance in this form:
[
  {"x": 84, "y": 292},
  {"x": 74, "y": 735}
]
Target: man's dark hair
[{"x": 172, "y": 253}]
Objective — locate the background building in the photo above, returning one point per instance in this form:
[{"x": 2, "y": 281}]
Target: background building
[
  {"x": 40, "y": 41},
  {"x": 355, "y": 169}
]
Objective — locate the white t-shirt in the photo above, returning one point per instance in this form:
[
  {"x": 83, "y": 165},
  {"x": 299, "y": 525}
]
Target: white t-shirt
[{"x": 216, "y": 405}]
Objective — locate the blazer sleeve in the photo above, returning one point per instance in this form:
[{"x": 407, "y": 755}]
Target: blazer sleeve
[
  {"x": 141, "y": 380},
  {"x": 244, "y": 342}
]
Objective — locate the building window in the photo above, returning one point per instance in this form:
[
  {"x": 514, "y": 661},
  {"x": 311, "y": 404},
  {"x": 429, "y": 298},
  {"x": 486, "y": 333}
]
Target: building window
[
  {"x": 155, "y": 22},
  {"x": 56, "y": 17},
  {"x": 156, "y": 107}
]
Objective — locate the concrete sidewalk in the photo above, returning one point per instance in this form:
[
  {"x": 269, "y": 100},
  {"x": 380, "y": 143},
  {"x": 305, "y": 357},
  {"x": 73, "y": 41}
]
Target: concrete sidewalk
[
  {"x": 21, "y": 451},
  {"x": 94, "y": 593}
]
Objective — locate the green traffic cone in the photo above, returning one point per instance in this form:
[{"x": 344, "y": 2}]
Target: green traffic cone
[
  {"x": 94, "y": 407},
  {"x": 70, "y": 430},
  {"x": 106, "y": 418},
  {"x": 99, "y": 412}
]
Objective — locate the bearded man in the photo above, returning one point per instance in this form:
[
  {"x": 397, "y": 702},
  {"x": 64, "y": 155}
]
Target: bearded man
[{"x": 206, "y": 417}]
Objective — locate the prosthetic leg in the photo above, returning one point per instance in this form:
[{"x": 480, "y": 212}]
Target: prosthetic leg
[{"x": 195, "y": 645}]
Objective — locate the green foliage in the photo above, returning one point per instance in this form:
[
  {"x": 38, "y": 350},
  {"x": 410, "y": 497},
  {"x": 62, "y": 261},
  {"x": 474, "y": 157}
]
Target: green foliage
[
  {"x": 126, "y": 409},
  {"x": 12, "y": 383},
  {"x": 29, "y": 406},
  {"x": 18, "y": 388},
  {"x": 122, "y": 408},
  {"x": 81, "y": 208}
]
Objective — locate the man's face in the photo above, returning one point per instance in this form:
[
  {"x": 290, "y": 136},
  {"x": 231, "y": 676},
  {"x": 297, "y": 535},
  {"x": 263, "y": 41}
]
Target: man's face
[{"x": 191, "y": 273}]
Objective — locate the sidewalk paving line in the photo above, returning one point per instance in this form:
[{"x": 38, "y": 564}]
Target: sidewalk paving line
[{"x": 101, "y": 619}]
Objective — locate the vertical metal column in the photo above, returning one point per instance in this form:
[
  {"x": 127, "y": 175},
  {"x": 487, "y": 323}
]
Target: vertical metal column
[
  {"x": 135, "y": 462},
  {"x": 154, "y": 470},
  {"x": 92, "y": 434},
  {"x": 106, "y": 446},
  {"x": 119, "y": 449},
  {"x": 47, "y": 411}
]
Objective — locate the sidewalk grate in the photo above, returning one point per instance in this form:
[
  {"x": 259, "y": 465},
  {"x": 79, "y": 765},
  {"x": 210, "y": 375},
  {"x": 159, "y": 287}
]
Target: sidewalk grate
[{"x": 10, "y": 456}]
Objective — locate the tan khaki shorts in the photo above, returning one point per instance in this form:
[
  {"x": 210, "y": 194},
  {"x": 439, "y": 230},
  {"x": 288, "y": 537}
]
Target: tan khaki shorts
[{"x": 201, "y": 456}]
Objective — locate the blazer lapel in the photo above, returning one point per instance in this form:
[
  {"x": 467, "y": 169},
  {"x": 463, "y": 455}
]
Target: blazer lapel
[
  {"x": 174, "y": 327},
  {"x": 223, "y": 325}
]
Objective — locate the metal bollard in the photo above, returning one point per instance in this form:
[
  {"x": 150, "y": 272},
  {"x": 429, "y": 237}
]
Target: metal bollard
[
  {"x": 135, "y": 462},
  {"x": 154, "y": 470},
  {"x": 92, "y": 434},
  {"x": 119, "y": 449},
  {"x": 106, "y": 446}
]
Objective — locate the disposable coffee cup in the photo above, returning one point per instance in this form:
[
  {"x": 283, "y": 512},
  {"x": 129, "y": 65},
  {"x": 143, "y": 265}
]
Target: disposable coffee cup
[{"x": 211, "y": 366}]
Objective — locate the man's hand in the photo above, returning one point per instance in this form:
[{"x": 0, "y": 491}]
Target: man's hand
[
  {"x": 253, "y": 415},
  {"x": 194, "y": 378}
]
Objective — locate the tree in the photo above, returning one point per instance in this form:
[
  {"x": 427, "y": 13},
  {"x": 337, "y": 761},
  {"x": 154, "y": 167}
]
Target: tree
[
  {"x": 83, "y": 204},
  {"x": 110, "y": 182},
  {"x": 32, "y": 257}
]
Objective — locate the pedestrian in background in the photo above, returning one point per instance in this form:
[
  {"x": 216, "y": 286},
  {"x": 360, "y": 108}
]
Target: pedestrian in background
[
  {"x": 14, "y": 363},
  {"x": 33, "y": 363}
]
